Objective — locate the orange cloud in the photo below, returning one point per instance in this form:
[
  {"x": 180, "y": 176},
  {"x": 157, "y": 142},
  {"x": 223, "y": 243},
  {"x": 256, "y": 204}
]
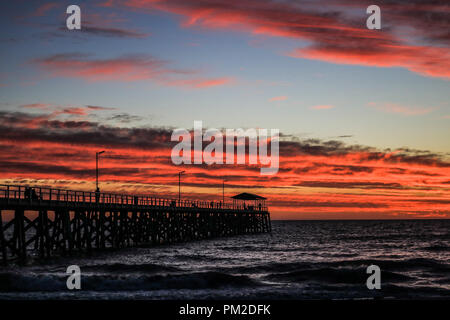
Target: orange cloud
[
  {"x": 317, "y": 179},
  {"x": 280, "y": 98},
  {"x": 322, "y": 107}
]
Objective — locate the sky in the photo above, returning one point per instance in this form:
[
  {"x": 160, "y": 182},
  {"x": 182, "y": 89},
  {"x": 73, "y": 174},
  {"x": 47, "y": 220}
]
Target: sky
[{"x": 364, "y": 114}]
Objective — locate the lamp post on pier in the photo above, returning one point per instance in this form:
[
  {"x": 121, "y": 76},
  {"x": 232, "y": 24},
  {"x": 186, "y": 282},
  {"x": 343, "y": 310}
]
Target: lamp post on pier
[
  {"x": 96, "y": 170},
  {"x": 179, "y": 185},
  {"x": 223, "y": 192}
]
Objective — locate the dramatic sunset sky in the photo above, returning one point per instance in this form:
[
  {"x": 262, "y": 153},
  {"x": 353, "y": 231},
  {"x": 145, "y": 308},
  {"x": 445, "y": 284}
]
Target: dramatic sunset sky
[{"x": 364, "y": 114}]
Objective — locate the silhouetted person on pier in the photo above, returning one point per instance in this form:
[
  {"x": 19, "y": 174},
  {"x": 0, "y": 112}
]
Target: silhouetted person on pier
[
  {"x": 259, "y": 205},
  {"x": 34, "y": 195},
  {"x": 136, "y": 200},
  {"x": 27, "y": 193},
  {"x": 97, "y": 195},
  {"x": 30, "y": 194}
]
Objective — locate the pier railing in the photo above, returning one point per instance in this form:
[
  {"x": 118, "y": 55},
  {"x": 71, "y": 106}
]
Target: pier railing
[
  {"x": 23, "y": 194},
  {"x": 46, "y": 221}
]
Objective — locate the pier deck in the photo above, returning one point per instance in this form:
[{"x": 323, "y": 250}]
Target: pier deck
[{"x": 46, "y": 222}]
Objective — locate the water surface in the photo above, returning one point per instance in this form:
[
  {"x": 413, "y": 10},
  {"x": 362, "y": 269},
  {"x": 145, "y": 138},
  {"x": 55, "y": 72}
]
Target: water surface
[{"x": 299, "y": 260}]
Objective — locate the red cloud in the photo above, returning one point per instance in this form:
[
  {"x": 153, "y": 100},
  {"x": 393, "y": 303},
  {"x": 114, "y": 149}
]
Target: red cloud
[
  {"x": 41, "y": 106},
  {"x": 434, "y": 62},
  {"x": 333, "y": 35},
  {"x": 125, "y": 68},
  {"x": 61, "y": 110},
  {"x": 129, "y": 68},
  {"x": 200, "y": 83},
  {"x": 43, "y": 9},
  {"x": 320, "y": 179}
]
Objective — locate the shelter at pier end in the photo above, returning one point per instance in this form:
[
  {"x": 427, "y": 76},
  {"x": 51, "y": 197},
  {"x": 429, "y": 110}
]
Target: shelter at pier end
[{"x": 249, "y": 201}]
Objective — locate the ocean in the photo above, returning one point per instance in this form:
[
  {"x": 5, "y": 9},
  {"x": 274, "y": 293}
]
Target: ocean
[{"x": 299, "y": 260}]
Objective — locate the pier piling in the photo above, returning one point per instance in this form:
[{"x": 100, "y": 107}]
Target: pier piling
[{"x": 48, "y": 222}]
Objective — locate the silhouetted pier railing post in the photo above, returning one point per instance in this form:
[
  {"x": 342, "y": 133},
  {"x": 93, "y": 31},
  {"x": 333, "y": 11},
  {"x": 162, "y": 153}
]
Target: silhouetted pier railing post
[{"x": 44, "y": 222}]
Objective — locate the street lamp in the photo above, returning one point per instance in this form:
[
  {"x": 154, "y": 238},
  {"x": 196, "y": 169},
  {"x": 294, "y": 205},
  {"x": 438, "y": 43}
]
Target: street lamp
[
  {"x": 223, "y": 191},
  {"x": 179, "y": 185},
  {"x": 96, "y": 169}
]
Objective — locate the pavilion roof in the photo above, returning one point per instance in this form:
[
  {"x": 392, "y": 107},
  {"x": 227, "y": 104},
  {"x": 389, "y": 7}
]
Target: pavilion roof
[{"x": 247, "y": 196}]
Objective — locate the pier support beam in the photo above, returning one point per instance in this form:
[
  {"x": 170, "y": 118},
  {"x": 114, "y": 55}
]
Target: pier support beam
[
  {"x": 3, "y": 241},
  {"x": 83, "y": 225}
]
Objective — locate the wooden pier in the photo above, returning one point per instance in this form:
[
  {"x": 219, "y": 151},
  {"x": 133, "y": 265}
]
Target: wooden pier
[{"x": 44, "y": 222}]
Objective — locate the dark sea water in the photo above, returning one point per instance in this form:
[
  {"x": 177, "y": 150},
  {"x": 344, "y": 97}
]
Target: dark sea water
[{"x": 299, "y": 260}]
